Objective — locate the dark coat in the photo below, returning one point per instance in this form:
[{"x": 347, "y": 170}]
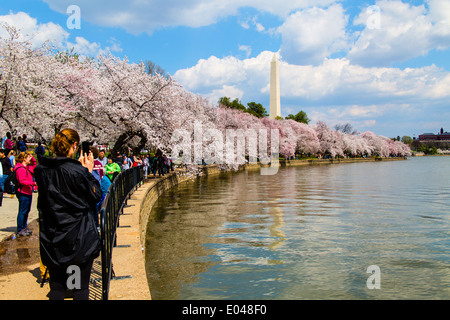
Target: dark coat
[
  {"x": 67, "y": 194},
  {"x": 6, "y": 163}
]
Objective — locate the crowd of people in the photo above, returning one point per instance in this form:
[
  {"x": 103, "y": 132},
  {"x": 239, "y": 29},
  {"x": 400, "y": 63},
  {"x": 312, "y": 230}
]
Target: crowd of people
[
  {"x": 69, "y": 198},
  {"x": 109, "y": 166},
  {"x": 157, "y": 163}
]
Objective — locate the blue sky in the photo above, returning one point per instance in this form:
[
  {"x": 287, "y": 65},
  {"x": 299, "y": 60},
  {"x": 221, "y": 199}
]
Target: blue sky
[{"x": 381, "y": 65}]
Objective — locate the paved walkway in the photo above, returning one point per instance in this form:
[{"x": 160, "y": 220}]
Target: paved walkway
[
  {"x": 8, "y": 215},
  {"x": 20, "y": 274},
  {"x": 19, "y": 258}
]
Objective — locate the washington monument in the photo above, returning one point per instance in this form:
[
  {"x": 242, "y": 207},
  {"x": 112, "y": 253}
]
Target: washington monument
[{"x": 275, "y": 108}]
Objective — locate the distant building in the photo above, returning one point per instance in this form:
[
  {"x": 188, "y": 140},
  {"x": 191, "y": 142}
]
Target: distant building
[
  {"x": 428, "y": 136},
  {"x": 441, "y": 136}
]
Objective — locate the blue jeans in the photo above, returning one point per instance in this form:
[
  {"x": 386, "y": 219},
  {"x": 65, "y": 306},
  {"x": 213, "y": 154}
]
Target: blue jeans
[
  {"x": 2, "y": 180},
  {"x": 24, "y": 209}
]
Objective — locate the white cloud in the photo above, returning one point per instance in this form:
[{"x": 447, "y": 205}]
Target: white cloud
[
  {"x": 147, "y": 15},
  {"x": 259, "y": 27},
  {"x": 114, "y": 45},
  {"x": 31, "y": 30},
  {"x": 212, "y": 73},
  {"x": 386, "y": 117},
  {"x": 335, "y": 91},
  {"x": 340, "y": 79},
  {"x": 39, "y": 33},
  {"x": 84, "y": 47},
  {"x": 226, "y": 91},
  {"x": 229, "y": 76},
  {"x": 252, "y": 22},
  {"x": 246, "y": 49},
  {"x": 440, "y": 11},
  {"x": 441, "y": 88},
  {"x": 311, "y": 30},
  {"x": 362, "y": 111},
  {"x": 370, "y": 123},
  {"x": 245, "y": 24},
  {"x": 334, "y": 78},
  {"x": 405, "y": 31},
  {"x": 310, "y": 35}
]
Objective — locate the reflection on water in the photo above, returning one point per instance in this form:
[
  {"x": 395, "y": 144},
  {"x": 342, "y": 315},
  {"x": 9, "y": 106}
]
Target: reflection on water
[{"x": 305, "y": 233}]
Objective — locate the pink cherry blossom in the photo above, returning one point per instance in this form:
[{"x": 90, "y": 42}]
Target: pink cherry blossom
[{"x": 108, "y": 99}]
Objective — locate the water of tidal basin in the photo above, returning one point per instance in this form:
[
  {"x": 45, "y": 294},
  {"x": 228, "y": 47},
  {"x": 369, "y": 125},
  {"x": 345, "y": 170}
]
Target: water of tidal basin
[{"x": 305, "y": 233}]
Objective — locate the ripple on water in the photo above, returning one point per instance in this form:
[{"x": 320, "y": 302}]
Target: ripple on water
[{"x": 306, "y": 233}]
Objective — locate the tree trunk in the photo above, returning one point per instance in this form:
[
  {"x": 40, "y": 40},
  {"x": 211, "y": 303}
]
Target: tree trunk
[{"x": 123, "y": 143}]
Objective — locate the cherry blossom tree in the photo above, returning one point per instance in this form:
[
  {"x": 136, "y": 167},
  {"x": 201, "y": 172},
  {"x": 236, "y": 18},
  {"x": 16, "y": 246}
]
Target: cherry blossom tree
[
  {"x": 304, "y": 136},
  {"x": 26, "y": 86},
  {"x": 330, "y": 142},
  {"x": 131, "y": 106},
  {"x": 378, "y": 144},
  {"x": 40, "y": 93},
  {"x": 109, "y": 99}
]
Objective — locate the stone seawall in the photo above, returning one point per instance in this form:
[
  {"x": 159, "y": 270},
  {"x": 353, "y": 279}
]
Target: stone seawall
[{"x": 293, "y": 163}]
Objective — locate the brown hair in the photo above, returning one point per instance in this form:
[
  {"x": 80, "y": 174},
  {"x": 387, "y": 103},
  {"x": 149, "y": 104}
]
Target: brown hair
[
  {"x": 63, "y": 141},
  {"x": 21, "y": 156},
  {"x": 94, "y": 151}
]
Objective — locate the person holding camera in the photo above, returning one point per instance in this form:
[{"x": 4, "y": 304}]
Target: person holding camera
[{"x": 68, "y": 237}]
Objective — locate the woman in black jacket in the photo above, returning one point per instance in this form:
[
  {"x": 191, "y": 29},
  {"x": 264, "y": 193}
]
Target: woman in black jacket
[{"x": 69, "y": 240}]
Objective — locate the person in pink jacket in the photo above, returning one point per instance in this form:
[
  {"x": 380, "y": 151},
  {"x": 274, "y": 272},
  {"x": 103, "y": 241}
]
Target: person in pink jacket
[{"x": 24, "y": 169}]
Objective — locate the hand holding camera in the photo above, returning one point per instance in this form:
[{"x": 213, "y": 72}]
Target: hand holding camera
[{"x": 86, "y": 157}]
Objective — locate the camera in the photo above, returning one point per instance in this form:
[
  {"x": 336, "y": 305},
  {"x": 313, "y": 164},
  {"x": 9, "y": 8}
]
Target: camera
[{"x": 85, "y": 145}]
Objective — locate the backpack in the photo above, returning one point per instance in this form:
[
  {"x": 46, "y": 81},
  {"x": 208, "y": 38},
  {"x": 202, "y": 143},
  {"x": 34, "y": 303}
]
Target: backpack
[
  {"x": 11, "y": 183},
  {"x": 40, "y": 150},
  {"x": 22, "y": 146}
]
